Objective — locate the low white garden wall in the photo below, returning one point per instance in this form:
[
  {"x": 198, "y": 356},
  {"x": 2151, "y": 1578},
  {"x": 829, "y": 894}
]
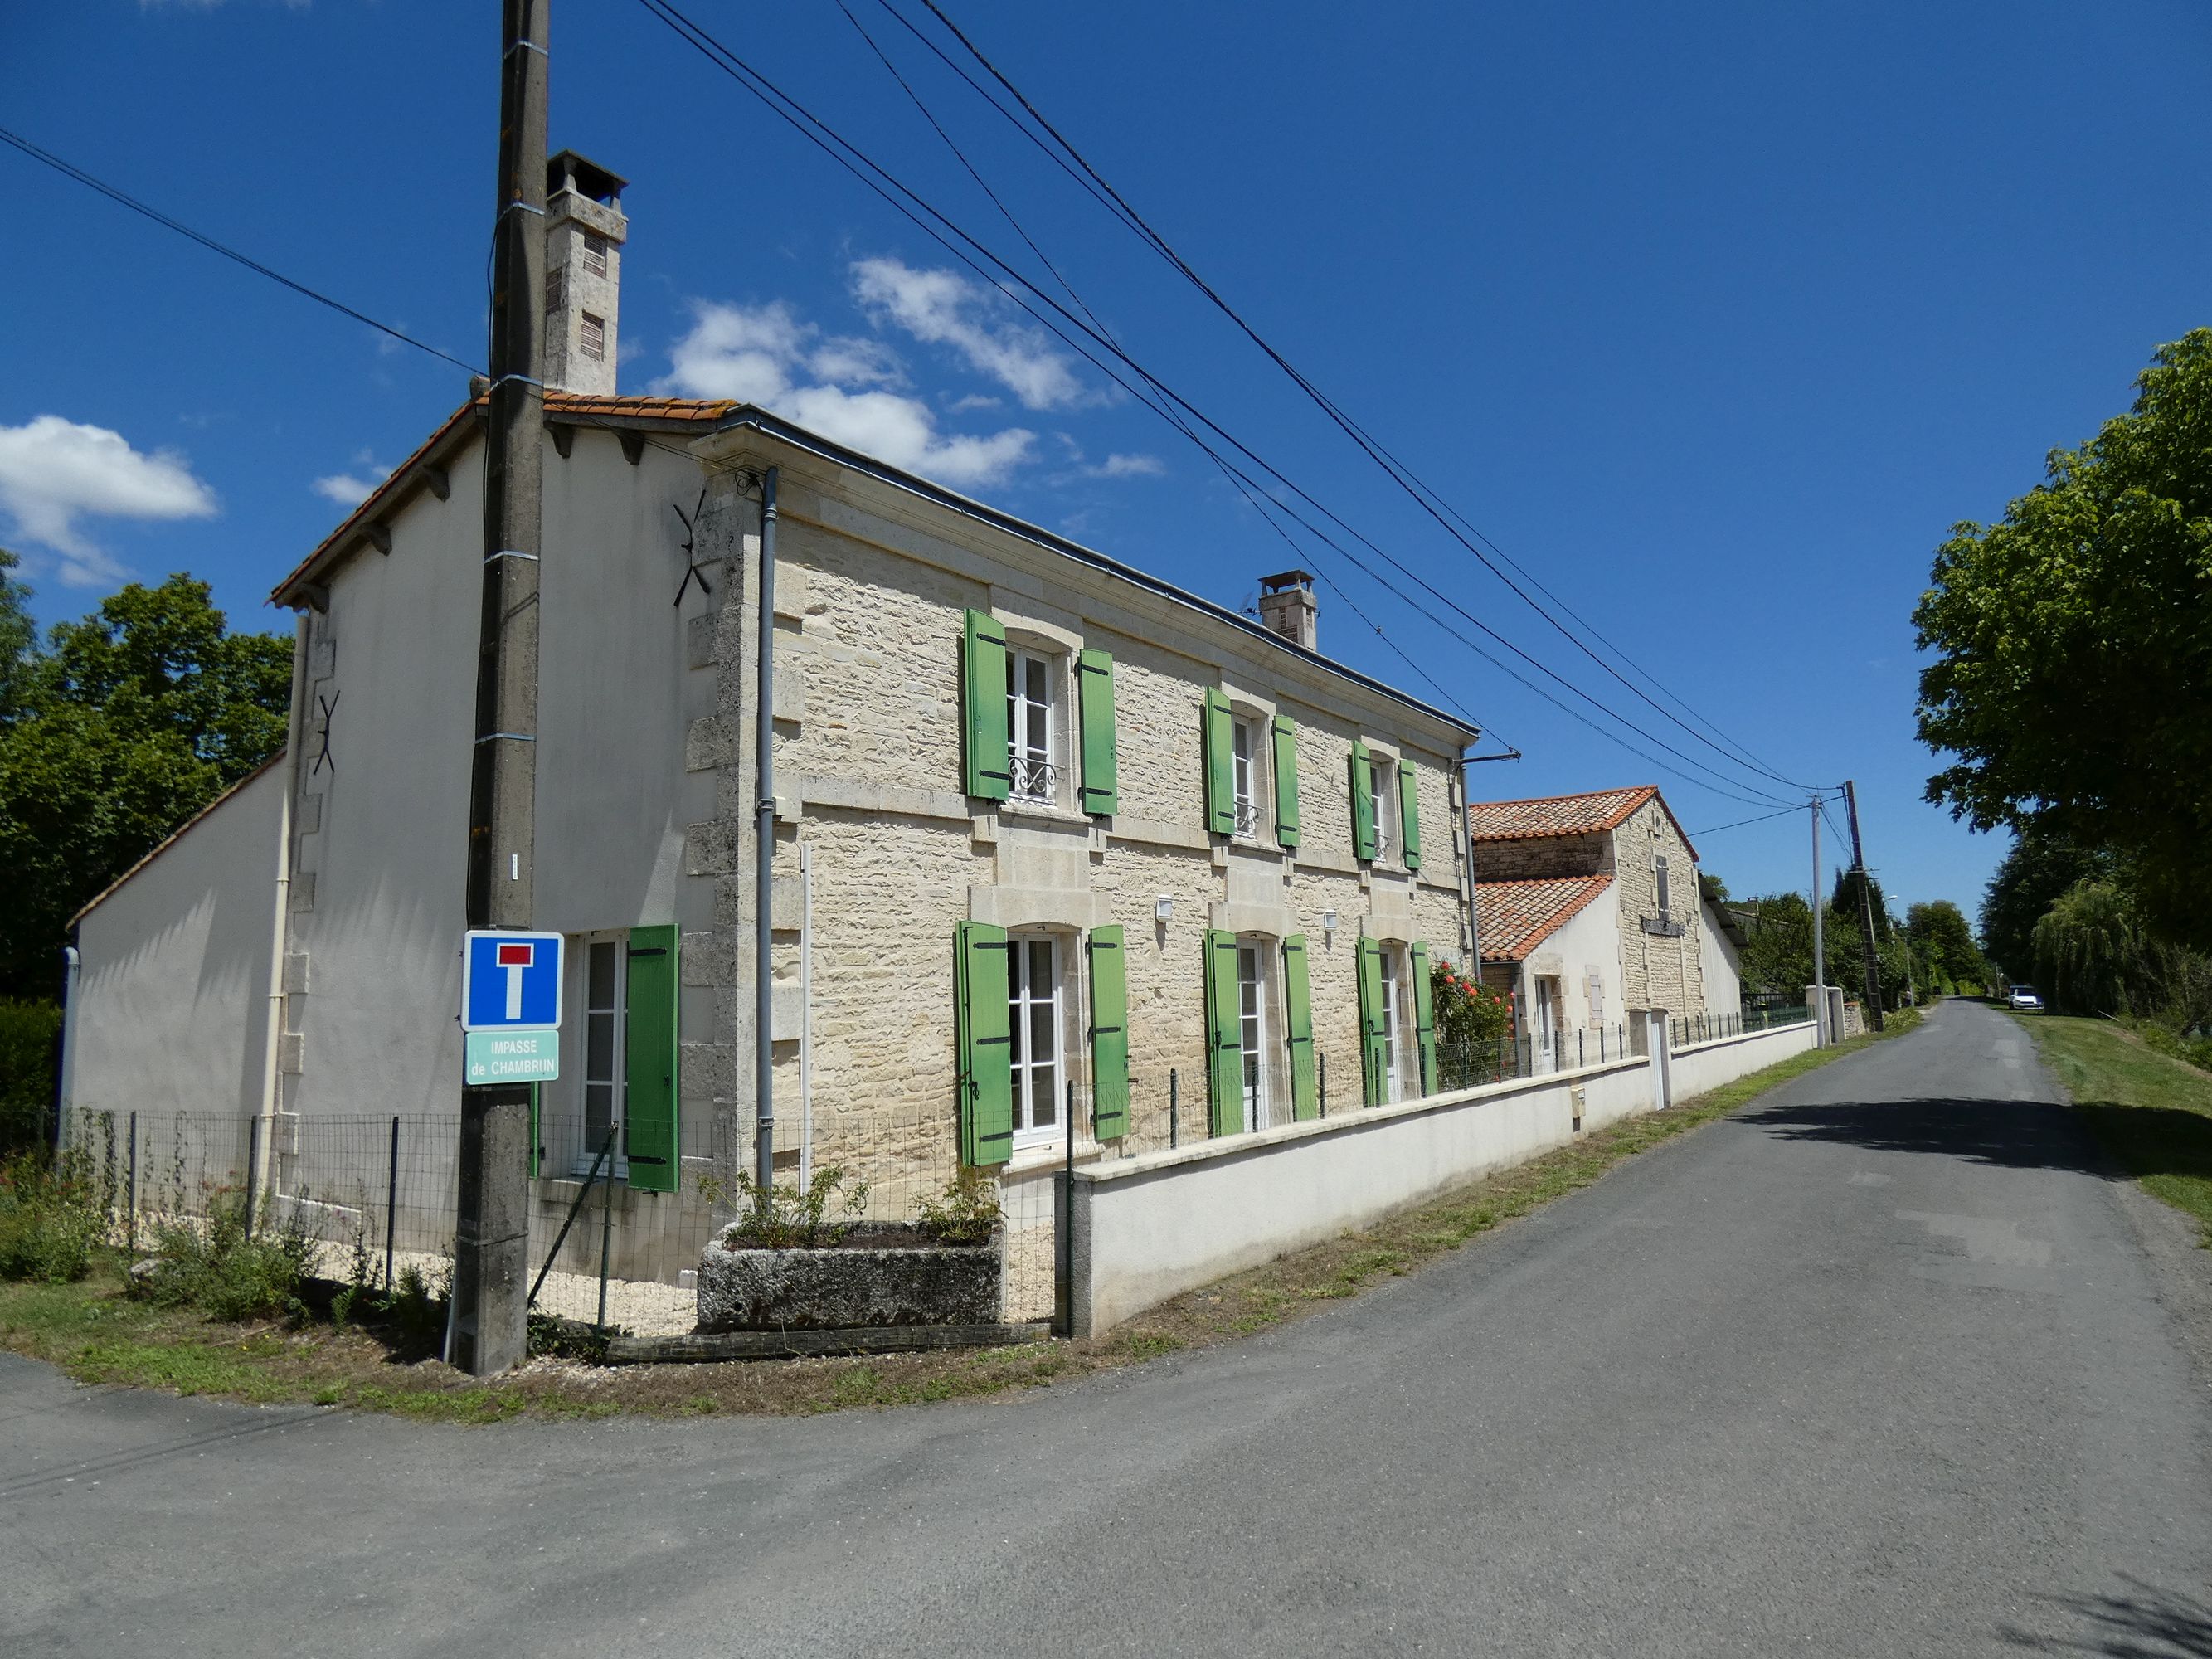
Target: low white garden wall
[{"x": 1149, "y": 1228}]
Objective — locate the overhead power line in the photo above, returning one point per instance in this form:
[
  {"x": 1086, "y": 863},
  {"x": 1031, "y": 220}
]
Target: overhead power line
[
  {"x": 69, "y": 169},
  {"x": 998, "y": 272},
  {"x": 1434, "y": 504}
]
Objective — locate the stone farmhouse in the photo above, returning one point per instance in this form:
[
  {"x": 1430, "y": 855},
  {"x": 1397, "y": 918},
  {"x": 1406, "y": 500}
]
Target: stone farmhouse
[
  {"x": 1591, "y": 915},
  {"x": 1048, "y": 830}
]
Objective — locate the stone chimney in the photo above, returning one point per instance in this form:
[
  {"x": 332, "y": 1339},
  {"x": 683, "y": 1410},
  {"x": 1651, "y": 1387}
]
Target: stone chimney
[
  {"x": 584, "y": 233},
  {"x": 1287, "y": 605}
]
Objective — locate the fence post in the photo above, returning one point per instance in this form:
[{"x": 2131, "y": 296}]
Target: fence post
[
  {"x": 130, "y": 1210},
  {"x": 1172, "y": 1107},
  {"x": 391, "y": 1203},
  {"x": 1579, "y": 1047},
  {"x": 607, "y": 1242},
  {"x": 252, "y": 1163},
  {"x": 1321, "y": 1069}
]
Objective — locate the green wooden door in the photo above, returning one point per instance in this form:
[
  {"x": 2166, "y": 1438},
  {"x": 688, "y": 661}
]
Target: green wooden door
[{"x": 650, "y": 1133}]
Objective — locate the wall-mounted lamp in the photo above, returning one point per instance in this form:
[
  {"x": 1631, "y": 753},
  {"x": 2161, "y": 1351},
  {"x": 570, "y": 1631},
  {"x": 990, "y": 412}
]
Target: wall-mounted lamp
[
  {"x": 1328, "y": 922},
  {"x": 1164, "y": 908}
]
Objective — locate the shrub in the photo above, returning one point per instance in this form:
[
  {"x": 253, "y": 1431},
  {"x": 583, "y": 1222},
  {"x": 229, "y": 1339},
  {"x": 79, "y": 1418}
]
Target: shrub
[
  {"x": 211, "y": 1264},
  {"x": 966, "y": 1212},
  {"x": 1466, "y": 1011},
  {"x": 784, "y": 1217},
  {"x": 29, "y": 1035},
  {"x": 47, "y": 1225}
]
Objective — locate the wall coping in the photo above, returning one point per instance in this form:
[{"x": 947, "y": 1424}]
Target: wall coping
[{"x": 1360, "y": 1119}]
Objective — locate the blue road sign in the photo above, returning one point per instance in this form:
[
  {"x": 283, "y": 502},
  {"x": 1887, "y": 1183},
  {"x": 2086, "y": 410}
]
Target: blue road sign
[{"x": 510, "y": 981}]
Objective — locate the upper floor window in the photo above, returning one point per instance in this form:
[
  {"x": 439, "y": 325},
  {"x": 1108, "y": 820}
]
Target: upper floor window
[
  {"x": 1245, "y": 768},
  {"x": 595, "y": 254},
  {"x": 1659, "y": 867},
  {"x": 556, "y": 286},
  {"x": 1030, "y": 722},
  {"x": 593, "y": 340},
  {"x": 1383, "y": 777}
]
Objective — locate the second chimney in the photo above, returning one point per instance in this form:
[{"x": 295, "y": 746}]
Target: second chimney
[
  {"x": 584, "y": 230},
  {"x": 1288, "y": 607}
]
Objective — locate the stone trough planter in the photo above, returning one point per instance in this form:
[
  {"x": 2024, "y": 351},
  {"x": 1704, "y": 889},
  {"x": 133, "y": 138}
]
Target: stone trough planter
[{"x": 877, "y": 1276}]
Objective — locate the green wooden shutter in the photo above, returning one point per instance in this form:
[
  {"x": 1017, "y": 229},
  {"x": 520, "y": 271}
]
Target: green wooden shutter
[
  {"x": 1425, "y": 1019},
  {"x": 649, "y": 1126},
  {"x": 1363, "y": 802},
  {"x": 1220, "y": 764},
  {"x": 1409, "y": 814},
  {"x": 982, "y": 1043},
  {"x": 1374, "y": 1040},
  {"x": 989, "y": 762},
  {"x": 1110, "y": 1034},
  {"x": 1286, "y": 783},
  {"x": 1102, "y": 786},
  {"x": 1224, "y": 1036},
  {"x": 1297, "y": 1018}
]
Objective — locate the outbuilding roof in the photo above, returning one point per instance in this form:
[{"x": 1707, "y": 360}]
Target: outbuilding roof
[
  {"x": 1546, "y": 816},
  {"x": 1515, "y": 917}
]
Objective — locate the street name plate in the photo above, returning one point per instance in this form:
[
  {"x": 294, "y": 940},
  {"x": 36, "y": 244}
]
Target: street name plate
[{"x": 512, "y": 1056}]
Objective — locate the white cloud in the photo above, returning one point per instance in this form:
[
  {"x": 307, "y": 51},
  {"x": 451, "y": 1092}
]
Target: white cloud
[
  {"x": 349, "y": 490},
  {"x": 942, "y": 307},
  {"x": 53, "y": 471},
  {"x": 765, "y": 355},
  {"x": 1129, "y": 466}
]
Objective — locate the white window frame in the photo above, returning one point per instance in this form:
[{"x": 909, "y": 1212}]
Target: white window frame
[
  {"x": 1036, "y": 1124},
  {"x": 1255, "y": 1007},
  {"x": 618, "y": 941},
  {"x": 1393, "y": 1009},
  {"x": 1383, "y": 782},
  {"x": 1036, "y": 771},
  {"x": 1247, "y": 752}
]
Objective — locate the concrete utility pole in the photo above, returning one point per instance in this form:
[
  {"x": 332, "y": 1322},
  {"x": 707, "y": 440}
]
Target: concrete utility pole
[
  {"x": 1872, "y": 965},
  {"x": 491, "y": 1231},
  {"x": 1822, "y": 1034}
]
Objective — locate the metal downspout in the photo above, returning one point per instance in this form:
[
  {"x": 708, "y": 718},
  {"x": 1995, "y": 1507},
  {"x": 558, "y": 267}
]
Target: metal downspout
[{"x": 764, "y": 855}]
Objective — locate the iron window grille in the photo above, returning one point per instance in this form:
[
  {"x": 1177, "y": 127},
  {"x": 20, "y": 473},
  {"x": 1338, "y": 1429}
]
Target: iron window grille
[{"x": 1035, "y": 779}]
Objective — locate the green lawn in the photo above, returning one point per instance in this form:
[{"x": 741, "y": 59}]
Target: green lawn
[{"x": 2152, "y": 1114}]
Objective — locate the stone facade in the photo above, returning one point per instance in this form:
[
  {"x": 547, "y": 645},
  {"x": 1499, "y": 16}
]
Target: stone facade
[{"x": 871, "y": 589}]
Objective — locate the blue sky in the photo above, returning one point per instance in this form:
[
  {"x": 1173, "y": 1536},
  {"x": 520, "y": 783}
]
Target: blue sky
[{"x": 1715, "y": 317}]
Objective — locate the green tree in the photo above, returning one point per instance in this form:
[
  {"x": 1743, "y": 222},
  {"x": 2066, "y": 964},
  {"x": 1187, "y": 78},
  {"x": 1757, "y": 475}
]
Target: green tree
[
  {"x": 2044, "y": 862},
  {"x": 125, "y": 724},
  {"x": 1944, "y": 945},
  {"x": 2073, "y": 640},
  {"x": 2090, "y": 953}
]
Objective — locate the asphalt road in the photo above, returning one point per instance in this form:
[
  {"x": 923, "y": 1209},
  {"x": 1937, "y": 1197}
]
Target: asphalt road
[{"x": 1882, "y": 1367}]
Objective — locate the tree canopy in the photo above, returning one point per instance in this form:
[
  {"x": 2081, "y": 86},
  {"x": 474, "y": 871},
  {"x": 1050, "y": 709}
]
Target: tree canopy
[
  {"x": 2073, "y": 676},
  {"x": 116, "y": 731}
]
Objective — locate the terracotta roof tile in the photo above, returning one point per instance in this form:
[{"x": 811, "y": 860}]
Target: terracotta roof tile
[
  {"x": 1544, "y": 816},
  {"x": 1556, "y": 815},
  {"x": 1515, "y": 917}
]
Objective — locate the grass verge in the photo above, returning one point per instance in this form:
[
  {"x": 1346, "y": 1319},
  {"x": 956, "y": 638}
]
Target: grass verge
[
  {"x": 98, "y": 1335},
  {"x": 2152, "y": 1113}
]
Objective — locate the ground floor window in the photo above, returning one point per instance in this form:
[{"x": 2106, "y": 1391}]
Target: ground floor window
[
  {"x": 603, "y": 1084},
  {"x": 1252, "y": 959},
  {"x": 1033, "y": 1010}
]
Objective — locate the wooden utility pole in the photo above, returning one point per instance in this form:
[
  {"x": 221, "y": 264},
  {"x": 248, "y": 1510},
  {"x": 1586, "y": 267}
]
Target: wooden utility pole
[
  {"x": 1872, "y": 964},
  {"x": 491, "y": 1233}
]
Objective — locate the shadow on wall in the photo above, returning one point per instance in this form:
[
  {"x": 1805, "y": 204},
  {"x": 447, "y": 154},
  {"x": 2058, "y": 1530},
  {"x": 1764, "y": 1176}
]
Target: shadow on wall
[{"x": 2145, "y": 1622}]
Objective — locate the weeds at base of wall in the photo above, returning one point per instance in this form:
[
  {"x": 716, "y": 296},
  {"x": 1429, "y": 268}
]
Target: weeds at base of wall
[{"x": 99, "y": 1336}]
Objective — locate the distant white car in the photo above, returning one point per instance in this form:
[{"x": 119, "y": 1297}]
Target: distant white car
[{"x": 2023, "y": 1000}]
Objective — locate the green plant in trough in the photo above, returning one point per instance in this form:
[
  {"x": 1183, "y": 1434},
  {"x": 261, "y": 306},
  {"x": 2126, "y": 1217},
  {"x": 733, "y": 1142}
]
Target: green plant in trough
[
  {"x": 785, "y": 1216},
  {"x": 967, "y": 1212}
]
